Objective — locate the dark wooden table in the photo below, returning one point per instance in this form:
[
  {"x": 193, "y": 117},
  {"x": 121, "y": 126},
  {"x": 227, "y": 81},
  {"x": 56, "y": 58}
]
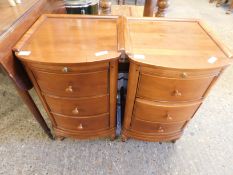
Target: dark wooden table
[{"x": 14, "y": 22}]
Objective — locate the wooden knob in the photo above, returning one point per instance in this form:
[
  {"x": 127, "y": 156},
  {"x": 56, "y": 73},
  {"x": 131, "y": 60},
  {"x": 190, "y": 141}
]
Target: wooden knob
[
  {"x": 176, "y": 93},
  {"x": 184, "y": 75},
  {"x": 80, "y": 126},
  {"x": 65, "y": 69},
  {"x": 75, "y": 111},
  {"x": 69, "y": 89},
  {"x": 169, "y": 117},
  {"x": 160, "y": 129}
]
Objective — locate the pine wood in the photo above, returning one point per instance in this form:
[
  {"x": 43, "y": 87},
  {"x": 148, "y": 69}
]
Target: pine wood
[
  {"x": 169, "y": 89},
  {"x": 174, "y": 74},
  {"x": 77, "y": 86},
  {"x": 164, "y": 112},
  {"x": 73, "y": 85},
  {"x": 78, "y": 107}
]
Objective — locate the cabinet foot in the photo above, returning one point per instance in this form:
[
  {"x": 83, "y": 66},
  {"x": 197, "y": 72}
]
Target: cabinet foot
[
  {"x": 124, "y": 138},
  {"x": 112, "y": 137},
  {"x": 160, "y": 143},
  {"x": 61, "y": 138},
  {"x": 173, "y": 141}
]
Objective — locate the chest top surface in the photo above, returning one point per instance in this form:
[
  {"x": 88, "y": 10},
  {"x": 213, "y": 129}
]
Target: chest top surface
[
  {"x": 70, "y": 39},
  {"x": 177, "y": 44}
]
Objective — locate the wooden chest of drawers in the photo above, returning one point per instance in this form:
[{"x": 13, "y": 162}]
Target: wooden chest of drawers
[
  {"x": 72, "y": 61},
  {"x": 73, "y": 64},
  {"x": 173, "y": 64}
]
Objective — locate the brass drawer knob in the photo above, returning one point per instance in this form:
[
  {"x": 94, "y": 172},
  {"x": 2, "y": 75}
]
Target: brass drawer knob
[
  {"x": 160, "y": 129},
  {"x": 168, "y": 117},
  {"x": 80, "y": 126},
  {"x": 176, "y": 93},
  {"x": 65, "y": 69},
  {"x": 184, "y": 75},
  {"x": 69, "y": 89},
  {"x": 75, "y": 111}
]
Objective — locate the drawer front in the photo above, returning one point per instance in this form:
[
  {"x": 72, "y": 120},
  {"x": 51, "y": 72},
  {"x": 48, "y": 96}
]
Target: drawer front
[
  {"x": 73, "y": 85},
  {"x": 82, "y": 124},
  {"x": 68, "y": 68},
  {"x": 171, "y": 89},
  {"x": 158, "y": 112},
  {"x": 180, "y": 74},
  {"x": 159, "y": 128},
  {"x": 78, "y": 107}
]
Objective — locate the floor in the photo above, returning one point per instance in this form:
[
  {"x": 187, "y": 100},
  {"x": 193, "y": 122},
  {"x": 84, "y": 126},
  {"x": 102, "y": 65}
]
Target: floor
[{"x": 206, "y": 147}]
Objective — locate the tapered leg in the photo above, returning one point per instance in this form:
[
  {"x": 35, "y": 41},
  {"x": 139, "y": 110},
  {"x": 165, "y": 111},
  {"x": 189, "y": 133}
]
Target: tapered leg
[
  {"x": 34, "y": 110},
  {"x": 162, "y": 7}
]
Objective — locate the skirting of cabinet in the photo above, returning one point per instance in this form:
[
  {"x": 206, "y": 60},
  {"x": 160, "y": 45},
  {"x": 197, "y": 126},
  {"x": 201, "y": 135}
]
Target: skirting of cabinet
[
  {"x": 84, "y": 135},
  {"x": 126, "y": 134}
]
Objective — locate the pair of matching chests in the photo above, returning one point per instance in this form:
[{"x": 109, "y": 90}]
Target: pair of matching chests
[{"x": 73, "y": 63}]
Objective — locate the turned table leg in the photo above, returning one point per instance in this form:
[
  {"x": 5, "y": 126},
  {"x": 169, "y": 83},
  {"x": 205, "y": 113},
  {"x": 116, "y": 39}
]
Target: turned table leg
[
  {"x": 149, "y": 8},
  {"x": 220, "y": 2},
  {"x": 162, "y": 7},
  {"x": 230, "y": 8},
  {"x": 35, "y": 111},
  {"x": 211, "y": 1}
]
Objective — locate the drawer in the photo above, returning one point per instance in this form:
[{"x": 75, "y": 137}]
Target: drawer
[
  {"x": 99, "y": 122},
  {"x": 172, "y": 89},
  {"x": 68, "y": 68},
  {"x": 180, "y": 74},
  {"x": 78, "y": 107},
  {"x": 73, "y": 85},
  {"x": 164, "y": 112},
  {"x": 152, "y": 127}
]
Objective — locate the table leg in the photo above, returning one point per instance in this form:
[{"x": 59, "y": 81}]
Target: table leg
[
  {"x": 220, "y": 2},
  {"x": 149, "y": 8},
  {"x": 230, "y": 8},
  {"x": 35, "y": 111},
  {"x": 162, "y": 7}
]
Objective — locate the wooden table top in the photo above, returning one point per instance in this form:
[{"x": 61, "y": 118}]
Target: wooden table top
[
  {"x": 127, "y": 10},
  {"x": 71, "y": 39},
  {"x": 181, "y": 44},
  {"x": 168, "y": 43},
  {"x": 9, "y": 15}
]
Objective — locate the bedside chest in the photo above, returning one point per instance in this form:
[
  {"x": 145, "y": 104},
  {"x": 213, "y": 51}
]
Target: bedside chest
[
  {"x": 73, "y": 63},
  {"x": 173, "y": 65}
]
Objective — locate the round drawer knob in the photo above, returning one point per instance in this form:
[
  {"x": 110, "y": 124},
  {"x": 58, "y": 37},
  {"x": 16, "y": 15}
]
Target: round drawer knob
[
  {"x": 80, "y": 127},
  {"x": 69, "y": 89},
  {"x": 65, "y": 69},
  {"x": 176, "y": 93},
  {"x": 169, "y": 117},
  {"x": 184, "y": 75},
  {"x": 75, "y": 111},
  {"x": 160, "y": 129}
]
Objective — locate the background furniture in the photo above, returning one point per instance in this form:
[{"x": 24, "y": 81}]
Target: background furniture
[
  {"x": 14, "y": 22},
  {"x": 170, "y": 75},
  {"x": 149, "y": 7},
  {"x": 220, "y": 2},
  {"x": 73, "y": 65},
  {"x": 229, "y": 11}
]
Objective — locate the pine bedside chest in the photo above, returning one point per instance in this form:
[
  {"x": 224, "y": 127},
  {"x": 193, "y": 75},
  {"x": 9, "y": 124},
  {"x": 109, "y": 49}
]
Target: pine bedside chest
[
  {"x": 72, "y": 62},
  {"x": 173, "y": 65}
]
